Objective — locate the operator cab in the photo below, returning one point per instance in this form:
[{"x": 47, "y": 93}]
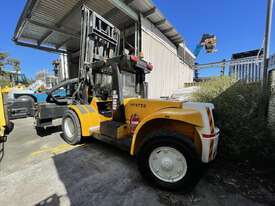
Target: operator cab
[
  {"x": 18, "y": 79},
  {"x": 62, "y": 93},
  {"x": 116, "y": 79}
]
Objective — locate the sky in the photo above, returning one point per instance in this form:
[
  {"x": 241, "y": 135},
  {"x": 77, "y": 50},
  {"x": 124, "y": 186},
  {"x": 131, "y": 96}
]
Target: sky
[
  {"x": 32, "y": 60},
  {"x": 238, "y": 24}
]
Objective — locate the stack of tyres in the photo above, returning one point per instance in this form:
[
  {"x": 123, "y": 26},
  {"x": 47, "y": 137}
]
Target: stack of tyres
[{"x": 21, "y": 108}]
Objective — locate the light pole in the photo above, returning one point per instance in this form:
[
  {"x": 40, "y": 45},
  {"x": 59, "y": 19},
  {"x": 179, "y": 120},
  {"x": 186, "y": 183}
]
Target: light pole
[{"x": 264, "y": 99}]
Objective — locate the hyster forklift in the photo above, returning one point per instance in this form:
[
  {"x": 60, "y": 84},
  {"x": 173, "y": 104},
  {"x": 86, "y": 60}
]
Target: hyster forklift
[{"x": 170, "y": 139}]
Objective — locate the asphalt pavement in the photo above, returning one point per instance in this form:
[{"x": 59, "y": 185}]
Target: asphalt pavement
[{"x": 44, "y": 170}]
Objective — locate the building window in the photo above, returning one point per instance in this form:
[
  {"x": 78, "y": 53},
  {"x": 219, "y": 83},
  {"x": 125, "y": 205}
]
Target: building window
[{"x": 185, "y": 56}]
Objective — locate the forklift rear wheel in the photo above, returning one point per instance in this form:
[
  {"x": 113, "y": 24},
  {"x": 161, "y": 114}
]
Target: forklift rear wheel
[
  {"x": 71, "y": 128},
  {"x": 170, "y": 161}
]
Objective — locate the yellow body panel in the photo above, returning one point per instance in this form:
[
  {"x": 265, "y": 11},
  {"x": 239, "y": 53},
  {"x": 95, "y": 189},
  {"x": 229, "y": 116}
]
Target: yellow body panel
[
  {"x": 185, "y": 115},
  {"x": 145, "y": 107},
  {"x": 89, "y": 119},
  {"x": 181, "y": 115},
  {"x": 3, "y": 122},
  {"x": 165, "y": 114},
  {"x": 122, "y": 131},
  {"x": 7, "y": 89}
]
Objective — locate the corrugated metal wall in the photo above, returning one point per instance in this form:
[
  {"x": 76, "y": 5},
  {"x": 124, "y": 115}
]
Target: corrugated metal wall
[{"x": 169, "y": 72}]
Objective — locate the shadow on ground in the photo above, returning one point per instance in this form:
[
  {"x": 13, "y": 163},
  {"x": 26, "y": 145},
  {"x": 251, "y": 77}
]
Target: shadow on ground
[
  {"x": 43, "y": 132},
  {"x": 53, "y": 200},
  {"x": 2, "y": 150},
  {"x": 100, "y": 174}
]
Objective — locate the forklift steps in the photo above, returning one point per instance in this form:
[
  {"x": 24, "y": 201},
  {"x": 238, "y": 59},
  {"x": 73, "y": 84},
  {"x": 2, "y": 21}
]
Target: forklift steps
[{"x": 109, "y": 128}]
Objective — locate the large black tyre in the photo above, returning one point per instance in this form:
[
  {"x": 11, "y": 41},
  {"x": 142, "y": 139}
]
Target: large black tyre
[
  {"x": 71, "y": 128},
  {"x": 182, "y": 154},
  {"x": 41, "y": 131},
  {"x": 31, "y": 101},
  {"x": 27, "y": 97}
]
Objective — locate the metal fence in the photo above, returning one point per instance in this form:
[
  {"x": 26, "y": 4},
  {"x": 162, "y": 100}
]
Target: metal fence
[
  {"x": 248, "y": 71},
  {"x": 49, "y": 79}
]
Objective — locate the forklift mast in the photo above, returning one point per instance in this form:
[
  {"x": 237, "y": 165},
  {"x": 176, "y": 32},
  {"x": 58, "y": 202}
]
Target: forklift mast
[
  {"x": 99, "y": 40},
  {"x": 99, "y": 54}
]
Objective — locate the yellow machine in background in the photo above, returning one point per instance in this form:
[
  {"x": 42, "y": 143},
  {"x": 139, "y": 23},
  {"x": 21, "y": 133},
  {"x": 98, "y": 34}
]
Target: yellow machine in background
[
  {"x": 16, "y": 81},
  {"x": 7, "y": 89},
  {"x": 3, "y": 122},
  {"x": 5, "y": 125}
]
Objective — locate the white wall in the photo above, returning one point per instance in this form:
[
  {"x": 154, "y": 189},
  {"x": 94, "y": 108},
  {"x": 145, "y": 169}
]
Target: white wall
[{"x": 169, "y": 72}]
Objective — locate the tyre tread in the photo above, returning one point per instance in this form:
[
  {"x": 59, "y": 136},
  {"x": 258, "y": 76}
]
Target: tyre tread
[
  {"x": 185, "y": 145},
  {"x": 77, "y": 136}
]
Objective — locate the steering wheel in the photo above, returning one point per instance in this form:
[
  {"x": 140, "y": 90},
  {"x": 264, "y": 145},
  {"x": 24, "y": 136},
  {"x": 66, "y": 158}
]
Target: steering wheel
[{"x": 104, "y": 94}]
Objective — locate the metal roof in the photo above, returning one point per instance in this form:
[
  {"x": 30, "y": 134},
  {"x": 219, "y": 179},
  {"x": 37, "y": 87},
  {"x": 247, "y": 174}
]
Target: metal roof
[
  {"x": 251, "y": 53},
  {"x": 54, "y": 25}
]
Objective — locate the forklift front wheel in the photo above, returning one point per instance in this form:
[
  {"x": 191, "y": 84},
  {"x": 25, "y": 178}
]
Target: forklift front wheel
[
  {"x": 170, "y": 161},
  {"x": 71, "y": 128}
]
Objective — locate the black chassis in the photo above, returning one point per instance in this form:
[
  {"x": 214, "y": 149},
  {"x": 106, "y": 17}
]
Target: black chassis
[{"x": 54, "y": 107}]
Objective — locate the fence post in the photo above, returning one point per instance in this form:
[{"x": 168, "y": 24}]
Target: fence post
[
  {"x": 264, "y": 98},
  {"x": 196, "y": 72},
  {"x": 223, "y": 68},
  {"x": 271, "y": 105}
]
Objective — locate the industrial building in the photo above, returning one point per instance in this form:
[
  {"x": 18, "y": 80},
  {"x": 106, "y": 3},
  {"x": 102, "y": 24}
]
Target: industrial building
[
  {"x": 60, "y": 68},
  {"x": 54, "y": 26},
  {"x": 48, "y": 78}
]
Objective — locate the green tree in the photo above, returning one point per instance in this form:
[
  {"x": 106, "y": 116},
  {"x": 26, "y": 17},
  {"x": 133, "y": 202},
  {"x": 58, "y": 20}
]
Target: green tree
[
  {"x": 5, "y": 74},
  {"x": 3, "y": 56},
  {"x": 15, "y": 63}
]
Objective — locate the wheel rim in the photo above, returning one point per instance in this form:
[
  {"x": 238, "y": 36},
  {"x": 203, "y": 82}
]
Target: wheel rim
[
  {"x": 69, "y": 128},
  {"x": 168, "y": 164}
]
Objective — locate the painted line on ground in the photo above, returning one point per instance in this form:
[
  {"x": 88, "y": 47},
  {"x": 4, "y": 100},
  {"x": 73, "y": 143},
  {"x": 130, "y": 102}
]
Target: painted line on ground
[{"x": 59, "y": 148}]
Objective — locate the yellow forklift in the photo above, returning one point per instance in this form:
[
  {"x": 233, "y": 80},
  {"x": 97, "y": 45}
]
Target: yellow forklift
[{"x": 170, "y": 139}]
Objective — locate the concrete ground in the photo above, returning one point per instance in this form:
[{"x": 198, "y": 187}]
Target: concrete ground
[{"x": 46, "y": 171}]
